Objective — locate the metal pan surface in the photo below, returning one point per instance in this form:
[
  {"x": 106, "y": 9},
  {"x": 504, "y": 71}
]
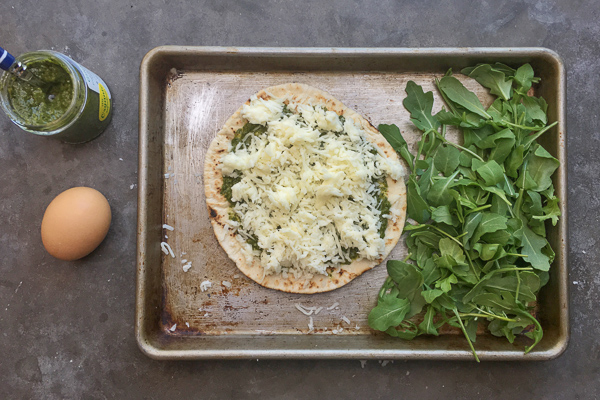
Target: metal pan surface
[{"x": 186, "y": 95}]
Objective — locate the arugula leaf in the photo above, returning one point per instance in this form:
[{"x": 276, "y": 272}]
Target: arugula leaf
[
  {"x": 419, "y": 104},
  {"x": 533, "y": 108},
  {"x": 440, "y": 193},
  {"x": 431, "y": 272},
  {"x": 448, "y": 118},
  {"x": 551, "y": 211},
  {"x": 538, "y": 174},
  {"x": 446, "y": 284},
  {"x": 490, "y": 141},
  {"x": 431, "y": 294},
  {"x": 514, "y": 161},
  {"x": 461, "y": 96},
  {"x": 477, "y": 136},
  {"x": 490, "y": 171},
  {"x": 532, "y": 248},
  {"x": 524, "y": 78},
  {"x": 442, "y": 215},
  {"x": 426, "y": 173},
  {"x": 427, "y": 326},
  {"x": 409, "y": 282},
  {"x": 508, "y": 71},
  {"x": 497, "y": 112},
  {"x": 408, "y": 332},
  {"x": 392, "y": 134},
  {"x": 449, "y": 247},
  {"x": 494, "y": 301},
  {"x": 492, "y": 79},
  {"x": 471, "y": 224},
  {"x": 417, "y": 208},
  {"x": 471, "y": 329},
  {"x": 505, "y": 69},
  {"x": 388, "y": 313},
  {"x": 490, "y": 222},
  {"x": 446, "y": 159}
]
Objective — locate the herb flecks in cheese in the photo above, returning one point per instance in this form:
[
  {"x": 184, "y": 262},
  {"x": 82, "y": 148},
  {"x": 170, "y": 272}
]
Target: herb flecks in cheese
[{"x": 307, "y": 189}]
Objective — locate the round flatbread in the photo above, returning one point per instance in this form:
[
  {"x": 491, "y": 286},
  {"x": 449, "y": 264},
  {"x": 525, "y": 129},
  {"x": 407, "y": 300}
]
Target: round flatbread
[{"x": 219, "y": 207}]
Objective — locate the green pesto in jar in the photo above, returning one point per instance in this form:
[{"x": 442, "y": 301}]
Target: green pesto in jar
[{"x": 32, "y": 104}]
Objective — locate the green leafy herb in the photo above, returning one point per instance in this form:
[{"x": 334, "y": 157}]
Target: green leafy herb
[
  {"x": 461, "y": 96},
  {"x": 492, "y": 79},
  {"x": 392, "y": 134},
  {"x": 419, "y": 105},
  {"x": 389, "y": 313},
  {"x": 476, "y": 235}
]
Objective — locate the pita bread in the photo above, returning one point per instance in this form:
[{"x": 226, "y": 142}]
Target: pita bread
[{"x": 218, "y": 205}]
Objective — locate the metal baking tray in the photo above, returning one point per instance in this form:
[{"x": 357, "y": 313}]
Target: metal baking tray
[{"x": 186, "y": 95}]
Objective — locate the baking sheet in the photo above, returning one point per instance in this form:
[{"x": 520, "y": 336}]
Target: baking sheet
[{"x": 199, "y": 89}]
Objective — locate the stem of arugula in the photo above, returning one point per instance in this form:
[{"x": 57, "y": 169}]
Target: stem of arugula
[
  {"x": 518, "y": 287},
  {"x": 509, "y": 269},
  {"x": 477, "y": 209},
  {"x": 440, "y": 231},
  {"x": 487, "y": 315},
  {"x": 531, "y": 139},
  {"x": 444, "y": 140},
  {"x": 526, "y": 128},
  {"x": 462, "y": 326},
  {"x": 538, "y": 328}
]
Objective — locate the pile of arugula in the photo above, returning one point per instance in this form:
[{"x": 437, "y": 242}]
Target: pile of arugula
[{"x": 476, "y": 232}]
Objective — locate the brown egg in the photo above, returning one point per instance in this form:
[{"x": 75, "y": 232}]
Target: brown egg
[{"x": 75, "y": 223}]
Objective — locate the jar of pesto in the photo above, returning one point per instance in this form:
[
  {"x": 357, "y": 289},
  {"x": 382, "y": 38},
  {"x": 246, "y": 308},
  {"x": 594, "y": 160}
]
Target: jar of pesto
[{"x": 75, "y": 105}]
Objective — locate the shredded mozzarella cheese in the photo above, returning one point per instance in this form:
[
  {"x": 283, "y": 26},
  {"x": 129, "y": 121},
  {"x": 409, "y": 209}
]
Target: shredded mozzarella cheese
[
  {"x": 306, "y": 191},
  {"x": 204, "y": 286}
]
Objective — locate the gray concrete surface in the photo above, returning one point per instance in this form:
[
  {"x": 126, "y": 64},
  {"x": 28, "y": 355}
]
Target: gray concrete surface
[{"x": 66, "y": 329}]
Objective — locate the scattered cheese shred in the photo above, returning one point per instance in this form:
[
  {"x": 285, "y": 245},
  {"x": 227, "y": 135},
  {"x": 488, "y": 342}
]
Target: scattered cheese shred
[
  {"x": 305, "y": 310},
  {"x": 172, "y": 329},
  {"x": 345, "y": 319},
  {"x": 204, "y": 286},
  {"x": 168, "y": 227},
  {"x": 167, "y": 249},
  {"x": 187, "y": 267},
  {"x": 227, "y": 284},
  {"x": 334, "y": 305}
]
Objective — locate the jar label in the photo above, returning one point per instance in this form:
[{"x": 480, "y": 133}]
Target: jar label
[
  {"x": 93, "y": 81},
  {"x": 104, "y": 102}
]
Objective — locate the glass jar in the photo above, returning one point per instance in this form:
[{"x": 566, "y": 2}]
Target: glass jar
[{"x": 79, "y": 120}]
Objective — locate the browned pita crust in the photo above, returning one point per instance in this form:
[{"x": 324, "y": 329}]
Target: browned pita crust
[{"x": 218, "y": 206}]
